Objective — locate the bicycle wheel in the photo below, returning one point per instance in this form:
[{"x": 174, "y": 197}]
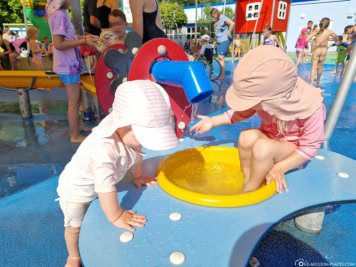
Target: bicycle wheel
[
  {"x": 207, "y": 67},
  {"x": 215, "y": 70}
]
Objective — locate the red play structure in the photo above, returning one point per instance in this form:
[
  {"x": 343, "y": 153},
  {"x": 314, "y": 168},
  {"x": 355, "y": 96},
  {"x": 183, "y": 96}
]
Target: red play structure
[{"x": 253, "y": 15}]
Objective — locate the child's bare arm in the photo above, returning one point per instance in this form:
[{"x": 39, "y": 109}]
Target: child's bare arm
[
  {"x": 279, "y": 169},
  {"x": 33, "y": 47},
  {"x": 110, "y": 205},
  {"x": 60, "y": 44},
  {"x": 124, "y": 219},
  {"x": 310, "y": 36}
]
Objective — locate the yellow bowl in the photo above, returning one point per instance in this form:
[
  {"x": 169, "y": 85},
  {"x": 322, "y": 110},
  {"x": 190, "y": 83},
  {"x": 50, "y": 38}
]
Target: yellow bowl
[{"x": 209, "y": 176}]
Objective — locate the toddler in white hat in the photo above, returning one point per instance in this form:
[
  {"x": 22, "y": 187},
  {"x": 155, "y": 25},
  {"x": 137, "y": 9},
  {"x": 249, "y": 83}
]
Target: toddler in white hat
[{"x": 141, "y": 116}]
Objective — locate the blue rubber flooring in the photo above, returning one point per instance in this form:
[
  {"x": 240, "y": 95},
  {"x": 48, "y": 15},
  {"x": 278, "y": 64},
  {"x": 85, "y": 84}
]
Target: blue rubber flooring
[{"x": 35, "y": 151}]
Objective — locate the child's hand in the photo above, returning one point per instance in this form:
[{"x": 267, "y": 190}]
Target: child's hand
[
  {"x": 277, "y": 174},
  {"x": 204, "y": 125},
  {"x": 128, "y": 219},
  {"x": 92, "y": 38},
  {"x": 90, "y": 44},
  {"x": 145, "y": 180}
]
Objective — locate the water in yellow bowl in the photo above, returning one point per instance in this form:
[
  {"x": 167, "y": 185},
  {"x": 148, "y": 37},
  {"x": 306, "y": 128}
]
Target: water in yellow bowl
[{"x": 214, "y": 178}]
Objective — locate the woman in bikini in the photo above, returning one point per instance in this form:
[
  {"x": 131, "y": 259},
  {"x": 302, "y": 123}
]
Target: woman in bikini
[{"x": 320, "y": 48}]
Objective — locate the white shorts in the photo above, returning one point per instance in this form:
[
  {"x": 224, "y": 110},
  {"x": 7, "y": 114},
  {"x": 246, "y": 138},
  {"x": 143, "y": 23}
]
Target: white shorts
[{"x": 74, "y": 212}]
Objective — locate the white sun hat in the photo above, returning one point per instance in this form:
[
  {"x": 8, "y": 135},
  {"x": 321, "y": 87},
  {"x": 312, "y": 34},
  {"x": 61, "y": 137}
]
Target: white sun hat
[
  {"x": 205, "y": 37},
  {"x": 145, "y": 106}
]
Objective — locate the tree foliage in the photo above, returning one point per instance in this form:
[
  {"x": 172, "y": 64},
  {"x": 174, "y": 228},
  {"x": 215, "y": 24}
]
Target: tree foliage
[
  {"x": 173, "y": 16},
  {"x": 11, "y": 11}
]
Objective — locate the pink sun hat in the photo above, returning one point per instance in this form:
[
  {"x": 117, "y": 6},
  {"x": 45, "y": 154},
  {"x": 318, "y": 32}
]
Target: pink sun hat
[
  {"x": 267, "y": 76},
  {"x": 304, "y": 30},
  {"x": 145, "y": 106}
]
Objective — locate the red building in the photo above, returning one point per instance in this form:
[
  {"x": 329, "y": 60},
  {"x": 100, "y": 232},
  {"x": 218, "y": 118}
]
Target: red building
[{"x": 250, "y": 12}]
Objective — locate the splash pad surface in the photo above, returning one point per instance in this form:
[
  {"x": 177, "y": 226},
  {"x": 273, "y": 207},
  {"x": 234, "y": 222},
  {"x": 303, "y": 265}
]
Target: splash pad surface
[{"x": 208, "y": 176}]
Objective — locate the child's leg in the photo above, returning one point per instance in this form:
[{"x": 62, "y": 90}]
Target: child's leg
[
  {"x": 264, "y": 153},
  {"x": 73, "y": 217},
  {"x": 320, "y": 71},
  {"x": 299, "y": 58},
  {"x": 342, "y": 68},
  {"x": 246, "y": 141},
  {"x": 336, "y": 67},
  {"x": 73, "y": 92},
  {"x": 71, "y": 236},
  {"x": 239, "y": 52},
  {"x": 313, "y": 70}
]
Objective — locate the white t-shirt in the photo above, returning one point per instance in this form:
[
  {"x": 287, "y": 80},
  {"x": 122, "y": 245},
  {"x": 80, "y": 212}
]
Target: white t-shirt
[
  {"x": 8, "y": 37},
  {"x": 97, "y": 166}
]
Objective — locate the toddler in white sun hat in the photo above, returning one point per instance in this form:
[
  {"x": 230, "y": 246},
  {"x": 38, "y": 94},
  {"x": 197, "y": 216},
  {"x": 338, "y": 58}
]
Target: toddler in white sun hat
[{"x": 141, "y": 116}]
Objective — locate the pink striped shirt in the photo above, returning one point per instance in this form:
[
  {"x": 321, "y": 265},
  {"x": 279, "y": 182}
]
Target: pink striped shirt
[{"x": 307, "y": 134}]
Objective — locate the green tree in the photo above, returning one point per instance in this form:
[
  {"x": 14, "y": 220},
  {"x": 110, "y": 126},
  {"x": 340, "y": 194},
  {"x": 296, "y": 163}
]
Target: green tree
[
  {"x": 230, "y": 13},
  {"x": 10, "y": 12},
  {"x": 206, "y": 22},
  {"x": 173, "y": 16}
]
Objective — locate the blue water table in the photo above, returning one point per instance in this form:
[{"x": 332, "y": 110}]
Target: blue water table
[{"x": 196, "y": 216}]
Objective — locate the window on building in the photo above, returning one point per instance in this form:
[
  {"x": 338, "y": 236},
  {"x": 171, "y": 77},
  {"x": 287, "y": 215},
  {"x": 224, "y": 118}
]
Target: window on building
[
  {"x": 253, "y": 11},
  {"x": 282, "y": 10}
]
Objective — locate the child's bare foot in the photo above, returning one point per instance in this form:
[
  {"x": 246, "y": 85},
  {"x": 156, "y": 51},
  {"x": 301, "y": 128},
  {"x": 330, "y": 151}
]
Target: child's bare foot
[
  {"x": 84, "y": 128},
  {"x": 73, "y": 262},
  {"x": 77, "y": 139},
  {"x": 333, "y": 72}
]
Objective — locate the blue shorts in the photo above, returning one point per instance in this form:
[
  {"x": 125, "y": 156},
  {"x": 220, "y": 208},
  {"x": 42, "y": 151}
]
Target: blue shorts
[
  {"x": 223, "y": 47},
  {"x": 69, "y": 78}
]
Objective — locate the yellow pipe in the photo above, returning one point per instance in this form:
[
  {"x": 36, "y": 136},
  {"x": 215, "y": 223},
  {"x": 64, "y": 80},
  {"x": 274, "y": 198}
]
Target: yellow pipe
[{"x": 23, "y": 79}]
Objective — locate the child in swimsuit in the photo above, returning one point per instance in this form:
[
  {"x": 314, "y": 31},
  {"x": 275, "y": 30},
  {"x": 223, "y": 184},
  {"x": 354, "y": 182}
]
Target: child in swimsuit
[
  {"x": 341, "y": 55},
  {"x": 266, "y": 83},
  {"x": 270, "y": 39},
  {"x": 237, "y": 43},
  {"x": 349, "y": 49},
  {"x": 32, "y": 37},
  {"x": 301, "y": 45},
  {"x": 346, "y": 36},
  {"x": 320, "y": 48}
]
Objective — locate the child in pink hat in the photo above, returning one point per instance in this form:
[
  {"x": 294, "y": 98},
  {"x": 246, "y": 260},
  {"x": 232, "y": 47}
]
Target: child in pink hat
[
  {"x": 141, "y": 116},
  {"x": 292, "y": 114}
]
